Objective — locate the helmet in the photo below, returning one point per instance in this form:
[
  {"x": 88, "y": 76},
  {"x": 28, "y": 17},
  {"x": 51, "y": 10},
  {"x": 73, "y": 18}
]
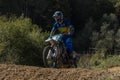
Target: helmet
[{"x": 58, "y": 15}]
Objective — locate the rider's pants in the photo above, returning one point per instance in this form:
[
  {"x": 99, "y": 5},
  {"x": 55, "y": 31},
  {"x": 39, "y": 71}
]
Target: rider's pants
[{"x": 68, "y": 43}]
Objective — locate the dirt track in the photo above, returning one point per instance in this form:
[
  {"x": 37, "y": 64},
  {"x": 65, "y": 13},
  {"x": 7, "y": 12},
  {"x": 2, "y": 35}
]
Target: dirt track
[{"x": 17, "y": 72}]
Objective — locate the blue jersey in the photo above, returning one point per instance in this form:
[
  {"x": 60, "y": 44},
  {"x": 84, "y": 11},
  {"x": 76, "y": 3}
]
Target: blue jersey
[{"x": 64, "y": 28}]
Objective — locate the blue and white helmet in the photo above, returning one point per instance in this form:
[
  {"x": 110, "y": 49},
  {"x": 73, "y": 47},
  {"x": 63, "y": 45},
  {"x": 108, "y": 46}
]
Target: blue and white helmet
[{"x": 58, "y": 15}]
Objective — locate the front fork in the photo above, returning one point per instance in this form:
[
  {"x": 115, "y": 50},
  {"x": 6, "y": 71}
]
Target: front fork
[{"x": 53, "y": 55}]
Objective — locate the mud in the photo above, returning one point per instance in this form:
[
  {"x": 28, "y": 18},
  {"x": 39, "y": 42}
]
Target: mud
[{"x": 20, "y": 72}]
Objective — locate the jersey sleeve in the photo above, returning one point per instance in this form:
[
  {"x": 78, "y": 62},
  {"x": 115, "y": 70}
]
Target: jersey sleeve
[{"x": 53, "y": 29}]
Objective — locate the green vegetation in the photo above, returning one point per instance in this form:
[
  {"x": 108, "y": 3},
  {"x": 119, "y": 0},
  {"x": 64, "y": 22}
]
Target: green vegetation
[
  {"x": 99, "y": 60},
  {"x": 21, "y": 42},
  {"x": 87, "y": 16},
  {"x": 96, "y": 22}
]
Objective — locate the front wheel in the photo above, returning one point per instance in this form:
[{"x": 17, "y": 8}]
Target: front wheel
[{"x": 48, "y": 59}]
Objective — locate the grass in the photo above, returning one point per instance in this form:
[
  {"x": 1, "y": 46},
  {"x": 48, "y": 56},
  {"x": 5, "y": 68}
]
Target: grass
[{"x": 98, "y": 61}]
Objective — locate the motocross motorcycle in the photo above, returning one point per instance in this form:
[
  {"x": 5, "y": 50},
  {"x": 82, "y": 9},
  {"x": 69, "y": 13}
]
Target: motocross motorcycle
[{"x": 55, "y": 55}]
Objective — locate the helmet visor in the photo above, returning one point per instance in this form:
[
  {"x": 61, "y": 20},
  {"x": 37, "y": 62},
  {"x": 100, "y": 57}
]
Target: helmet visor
[{"x": 56, "y": 18}]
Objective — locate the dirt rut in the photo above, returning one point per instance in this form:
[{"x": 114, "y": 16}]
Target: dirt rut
[{"x": 19, "y": 72}]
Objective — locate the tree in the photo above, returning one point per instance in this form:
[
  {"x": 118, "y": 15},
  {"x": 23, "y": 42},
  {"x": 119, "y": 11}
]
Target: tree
[{"x": 106, "y": 38}]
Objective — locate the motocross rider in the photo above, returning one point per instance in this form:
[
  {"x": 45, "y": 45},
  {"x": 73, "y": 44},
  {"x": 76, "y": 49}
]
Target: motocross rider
[{"x": 64, "y": 27}]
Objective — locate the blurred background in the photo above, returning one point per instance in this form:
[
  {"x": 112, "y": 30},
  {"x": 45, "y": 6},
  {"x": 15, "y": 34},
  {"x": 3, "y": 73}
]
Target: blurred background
[{"x": 25, "y": 24}]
